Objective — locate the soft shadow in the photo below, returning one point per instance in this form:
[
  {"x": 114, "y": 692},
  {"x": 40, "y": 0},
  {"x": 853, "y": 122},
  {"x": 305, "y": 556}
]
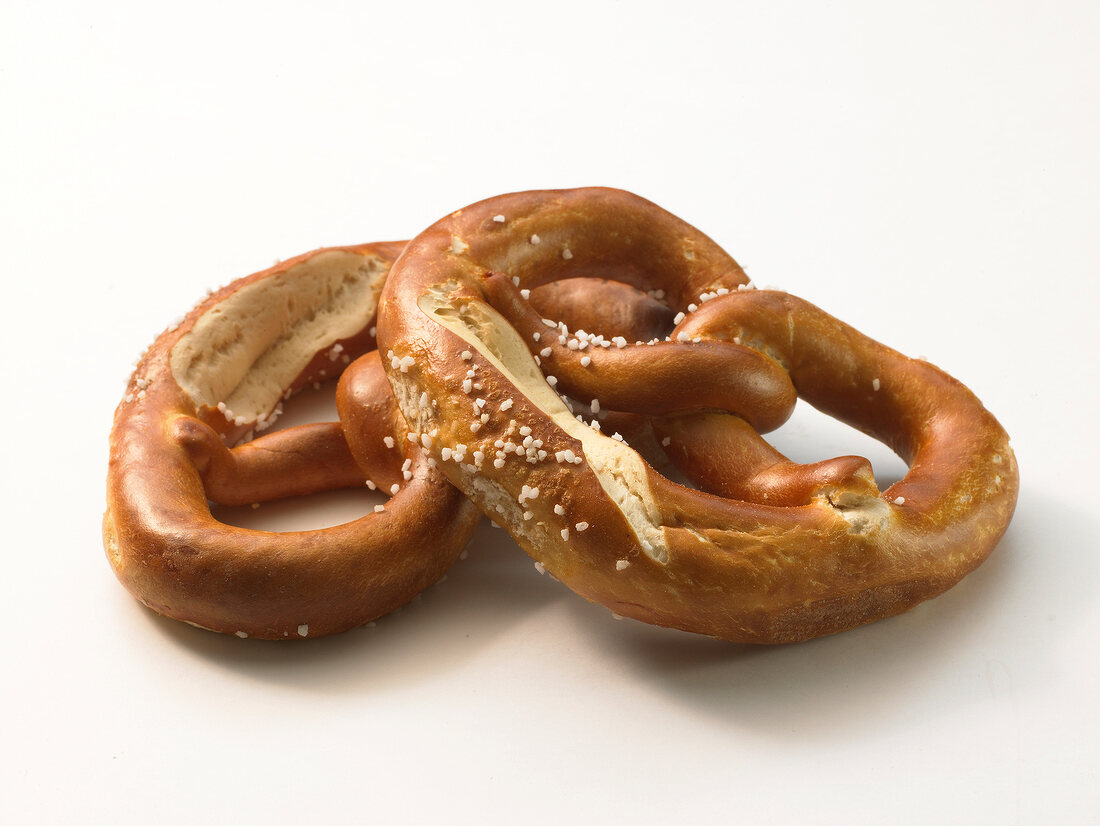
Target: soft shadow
[
  {"x": 443, "y": 628},
  {"x": 835, "y": 687},
  {"x": 842, "y": 685}
]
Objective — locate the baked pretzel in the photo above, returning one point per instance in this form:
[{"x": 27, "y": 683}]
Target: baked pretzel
[
  {"x": 466, "y": 354},
  {"x": 218, "y": 377}
]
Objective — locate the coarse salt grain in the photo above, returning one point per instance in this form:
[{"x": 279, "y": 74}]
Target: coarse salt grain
[{"x": 622, "y": 564}]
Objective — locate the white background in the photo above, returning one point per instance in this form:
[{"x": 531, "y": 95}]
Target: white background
[{"x": 926, "y": 171}]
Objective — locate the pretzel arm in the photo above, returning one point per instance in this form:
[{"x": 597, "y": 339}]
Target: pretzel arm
[
  {"x": 724, "y": 455},
  {"x": 294, "y": 462},
  {"x": 599, "y": 305}
]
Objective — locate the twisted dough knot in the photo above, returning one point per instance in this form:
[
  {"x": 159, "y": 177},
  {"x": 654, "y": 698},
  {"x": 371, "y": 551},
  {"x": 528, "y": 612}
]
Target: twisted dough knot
[{"x": 802, "y": 550}]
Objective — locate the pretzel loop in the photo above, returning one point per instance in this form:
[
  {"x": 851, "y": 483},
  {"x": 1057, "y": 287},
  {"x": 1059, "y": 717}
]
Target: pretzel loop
[{"x": 216, "y": 378}]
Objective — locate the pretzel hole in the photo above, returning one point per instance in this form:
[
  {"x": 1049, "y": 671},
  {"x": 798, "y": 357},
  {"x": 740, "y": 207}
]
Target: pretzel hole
[
  {"x": 317, "y": 509},
  {"x": 309, "y": 512},
  {"x": 301, "y": 472},
  {"x": 810, "y": 436},
  {"x": 309, "y": 405},
  {"x": 723, "y": 455}
]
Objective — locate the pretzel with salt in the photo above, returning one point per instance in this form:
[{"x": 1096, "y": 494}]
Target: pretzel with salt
[
  {"x": 458, "y": 333},
  {"x": 221, "y": 375}
]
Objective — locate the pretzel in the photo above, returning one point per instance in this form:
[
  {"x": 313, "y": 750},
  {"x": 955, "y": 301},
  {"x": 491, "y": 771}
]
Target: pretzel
[
  {"x": 221, "y": 375},
  {"x": 458, "y": 332}
]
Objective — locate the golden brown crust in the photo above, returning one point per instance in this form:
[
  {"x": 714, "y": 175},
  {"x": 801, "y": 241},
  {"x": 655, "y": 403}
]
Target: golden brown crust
[
  {"x": 589, "y": 510},
  {"x": 600, "y": 305},
  {"x": 712, "y": 375},
  {"x": 169, "y": 454}
]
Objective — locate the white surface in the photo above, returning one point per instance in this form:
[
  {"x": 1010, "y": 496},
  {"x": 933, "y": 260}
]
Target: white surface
[{"x": 929, "y": 175}]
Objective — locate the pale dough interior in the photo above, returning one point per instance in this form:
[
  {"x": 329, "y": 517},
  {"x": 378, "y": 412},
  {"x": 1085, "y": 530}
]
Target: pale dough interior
[
  {"x": 621, "y": 472},
  {"x": 249, "y": 348}
]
